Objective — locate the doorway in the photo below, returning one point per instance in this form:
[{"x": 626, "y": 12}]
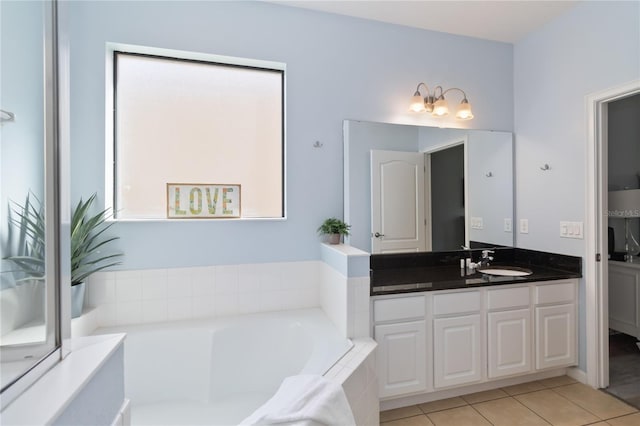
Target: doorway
[
  {"x": 605, "y": 345},
  {"x": 623, "y": 278}
]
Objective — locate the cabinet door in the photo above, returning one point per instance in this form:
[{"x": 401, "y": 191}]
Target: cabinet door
[
  {"x": 509, "y": 342},
  {"x": 456, "y": 350},
  {"x": 624, "y": 286},
  {"x": 401, "y": 357},
  {"x": 555, "y": 336}
]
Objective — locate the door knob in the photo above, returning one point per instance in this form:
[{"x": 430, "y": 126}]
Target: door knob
[{"x": 378, "y": 235}]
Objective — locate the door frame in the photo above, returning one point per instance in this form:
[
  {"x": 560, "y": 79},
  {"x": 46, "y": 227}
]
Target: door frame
[{"x": 596, "y": 273}]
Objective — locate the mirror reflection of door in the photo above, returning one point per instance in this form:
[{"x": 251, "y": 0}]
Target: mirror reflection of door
[
  {"x": 418, "y": 200},
  {"x": 397, "y": 202}
]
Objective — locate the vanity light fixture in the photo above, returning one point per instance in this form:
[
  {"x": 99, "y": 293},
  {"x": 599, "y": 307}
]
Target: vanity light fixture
[{"x": 437, "y": 105}]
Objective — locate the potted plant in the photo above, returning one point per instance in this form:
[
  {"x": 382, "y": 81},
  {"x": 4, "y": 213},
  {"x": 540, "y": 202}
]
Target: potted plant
[
  {"x": 87, "y": 237},
  {"x": 30, "y": 245},
  {"x": 334, "y": 229},
  {"x": 87, "y": 241}
]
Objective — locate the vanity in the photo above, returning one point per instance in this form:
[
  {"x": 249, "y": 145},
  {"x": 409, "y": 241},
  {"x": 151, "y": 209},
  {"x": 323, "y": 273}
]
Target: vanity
[
  {"x": 624, "y": 296},
  {"x": 414, "y": 197},
  {"x": 441, "y": 328}
]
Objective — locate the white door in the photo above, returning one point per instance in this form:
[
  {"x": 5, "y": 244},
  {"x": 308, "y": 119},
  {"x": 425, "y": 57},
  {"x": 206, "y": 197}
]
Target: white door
[
  {"x": 402, "y": 362},
  {"x": 457, "y": 357},
  {"x": 397, "y": 202},
  {"x": 509, "y": 342},
  {"x": 555, "y": 336}
]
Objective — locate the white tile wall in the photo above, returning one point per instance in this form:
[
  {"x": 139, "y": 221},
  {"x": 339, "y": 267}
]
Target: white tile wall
[
  {"x": 358, "y": 307},
  {"x": 133, "y": 297},
  {"x": 333, "y": 297},
  {"x": 345, "y": 301}
]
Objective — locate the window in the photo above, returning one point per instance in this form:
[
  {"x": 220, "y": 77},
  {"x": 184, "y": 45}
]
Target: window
[{"x": 204, "y": 121}]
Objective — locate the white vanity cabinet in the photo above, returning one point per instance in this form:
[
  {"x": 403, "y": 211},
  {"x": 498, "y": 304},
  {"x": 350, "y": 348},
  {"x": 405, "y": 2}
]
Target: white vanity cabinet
[
  {"x": 556, "y": 342},
  {"x": 624, "y": 297},
  {"x": 437, "y": 340},
  {"x": 509, "y": 334},
  {"x": 457, "y": 339},
  {"x": 400, "y": 331}
]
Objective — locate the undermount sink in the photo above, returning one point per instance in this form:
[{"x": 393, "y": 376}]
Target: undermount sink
[{"x": 505, "y": 271}]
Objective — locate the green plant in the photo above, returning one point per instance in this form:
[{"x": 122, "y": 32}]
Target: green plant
[
  {"x": 30, "y": 246},
  {"x": 333, "y": 226},
  {"x": 87, "y": 238}
]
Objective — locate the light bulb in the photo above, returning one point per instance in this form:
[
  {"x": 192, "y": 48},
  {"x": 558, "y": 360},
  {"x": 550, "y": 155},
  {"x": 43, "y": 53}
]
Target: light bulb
[
  {"x": 464, "y": 111},
  {"x": 440, "y": 107},
  {"x": 417, "y": 104}
]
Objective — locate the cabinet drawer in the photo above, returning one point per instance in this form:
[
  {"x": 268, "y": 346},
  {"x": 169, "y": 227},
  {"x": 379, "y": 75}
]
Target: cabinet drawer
[
  {"x": 456, "y": 303},
  {"x": 508, "y": 298},
  {"x": 556, "y": 293},
  {"x": 398, "y": 308}
]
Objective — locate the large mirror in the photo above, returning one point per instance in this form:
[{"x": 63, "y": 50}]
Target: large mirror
[{"x": 417, "y": 188}]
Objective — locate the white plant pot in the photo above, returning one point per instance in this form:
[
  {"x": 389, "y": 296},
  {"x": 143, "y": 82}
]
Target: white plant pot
[{"x": 77, "y": 299}]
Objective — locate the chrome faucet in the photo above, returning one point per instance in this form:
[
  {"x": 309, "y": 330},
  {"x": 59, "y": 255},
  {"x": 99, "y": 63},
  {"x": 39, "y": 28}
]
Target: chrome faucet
[{"x": 486, "y": 258}]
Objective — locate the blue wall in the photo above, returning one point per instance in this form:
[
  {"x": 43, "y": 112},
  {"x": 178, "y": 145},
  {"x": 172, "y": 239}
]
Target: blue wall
[
  {"x": 595, "y": 46},
  {"x": 337, "y": 68}
]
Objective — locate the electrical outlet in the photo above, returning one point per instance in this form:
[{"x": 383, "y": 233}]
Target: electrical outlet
[
  {"x": 507, "y": 225},
  {"x": 524, "y": 226}
]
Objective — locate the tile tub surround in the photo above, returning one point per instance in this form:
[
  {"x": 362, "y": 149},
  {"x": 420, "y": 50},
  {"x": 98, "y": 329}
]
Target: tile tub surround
[
  {"x": 402, "y": 273},
  {"x": 344, "y": 288},
  {"x": 356, "y": 372},
  {"x": 556, "y": 401},
  {"x": 157, "y": 295}
]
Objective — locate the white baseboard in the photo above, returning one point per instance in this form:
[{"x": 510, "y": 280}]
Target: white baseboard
[
  {"x": 391, "y": 403},
  {"x": 577, "y": 374}
]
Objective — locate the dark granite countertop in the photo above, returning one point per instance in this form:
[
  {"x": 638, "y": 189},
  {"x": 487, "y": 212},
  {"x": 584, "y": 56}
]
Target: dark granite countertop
[{"x": 423, "y": 272}]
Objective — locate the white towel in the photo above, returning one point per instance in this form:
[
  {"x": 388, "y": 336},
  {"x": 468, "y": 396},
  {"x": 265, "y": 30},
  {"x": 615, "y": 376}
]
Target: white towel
[{"x": 305, "y": 400}]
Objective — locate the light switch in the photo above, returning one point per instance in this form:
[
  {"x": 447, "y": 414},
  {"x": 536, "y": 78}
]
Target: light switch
[
  {"x": 571, "y": 230},
  {"x": 477, "y": 223},
  {"x": 507, "y": 225},
  {"x": 524, "y": 226}
]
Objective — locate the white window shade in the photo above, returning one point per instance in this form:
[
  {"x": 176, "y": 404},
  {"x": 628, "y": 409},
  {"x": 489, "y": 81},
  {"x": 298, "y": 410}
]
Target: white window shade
[{"x": 182, "y": 121}]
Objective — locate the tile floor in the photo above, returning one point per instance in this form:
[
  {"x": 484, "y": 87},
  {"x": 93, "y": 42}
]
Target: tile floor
[{"x": 558, "y": 401}]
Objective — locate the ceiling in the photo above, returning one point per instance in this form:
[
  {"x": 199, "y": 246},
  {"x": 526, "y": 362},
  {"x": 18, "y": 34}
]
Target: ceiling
[{"x": 506, "y": 21}]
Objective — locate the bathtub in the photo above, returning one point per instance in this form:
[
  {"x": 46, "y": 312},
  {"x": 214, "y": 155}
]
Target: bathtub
[{"x": 218, "y": 371}]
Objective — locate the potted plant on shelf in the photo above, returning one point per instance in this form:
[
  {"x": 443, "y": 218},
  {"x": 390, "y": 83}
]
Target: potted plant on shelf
[
  {"x": 87, "y": 241},
  {"x": 86, "y": 258},
  {"x": 334, "y": 229}
]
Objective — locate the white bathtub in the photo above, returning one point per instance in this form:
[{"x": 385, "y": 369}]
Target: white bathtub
[{"x": 218, "y": 371}]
